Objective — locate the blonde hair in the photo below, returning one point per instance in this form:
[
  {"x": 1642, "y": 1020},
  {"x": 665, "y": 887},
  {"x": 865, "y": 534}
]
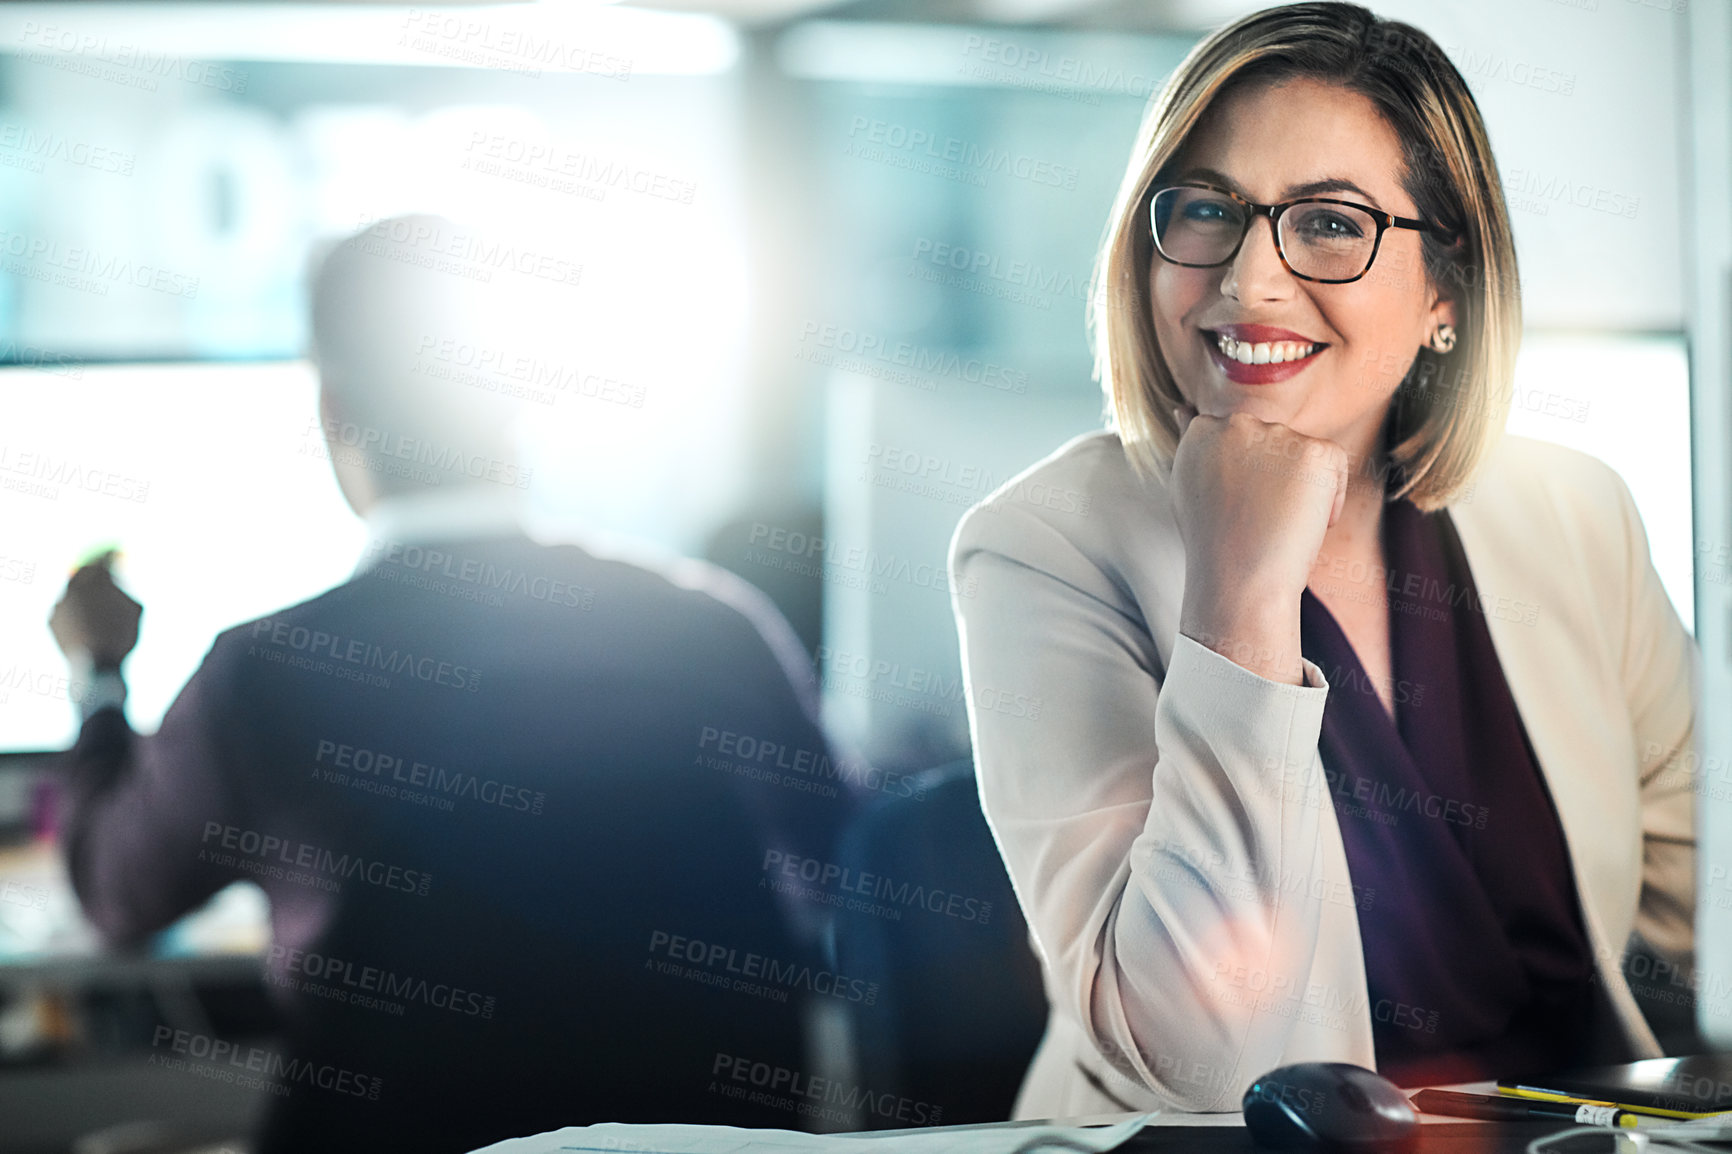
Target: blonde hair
[{"x": 1450, "y": 407}]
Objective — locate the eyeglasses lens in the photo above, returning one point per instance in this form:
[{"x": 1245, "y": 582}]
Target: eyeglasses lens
[{"x": 1324, "y": 241}]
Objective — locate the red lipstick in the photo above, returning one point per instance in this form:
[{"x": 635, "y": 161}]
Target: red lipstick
[{"x": 1253, "y": 374}]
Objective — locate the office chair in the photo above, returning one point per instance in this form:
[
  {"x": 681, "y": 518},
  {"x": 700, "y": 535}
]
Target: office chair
[{"x": 960, "y": 1008}]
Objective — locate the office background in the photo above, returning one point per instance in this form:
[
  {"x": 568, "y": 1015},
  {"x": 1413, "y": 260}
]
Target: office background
[
  {"x": 836, "y": 264},
  {"x": 808, "y": 280}
]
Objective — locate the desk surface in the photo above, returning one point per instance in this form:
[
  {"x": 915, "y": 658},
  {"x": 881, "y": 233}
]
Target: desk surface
[
  {"x": 1227, "y": 1120},
  {"x": 1225, "y": 1133},
  {"x": 1457, "y": 1137}
]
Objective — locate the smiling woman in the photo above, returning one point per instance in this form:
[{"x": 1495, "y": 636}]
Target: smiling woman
[{"x": 1345, "y": 689}]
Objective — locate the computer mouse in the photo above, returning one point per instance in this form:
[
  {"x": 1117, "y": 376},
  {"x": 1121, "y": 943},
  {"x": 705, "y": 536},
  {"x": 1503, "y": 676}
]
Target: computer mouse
[{"x": 1335, "y": 1107}]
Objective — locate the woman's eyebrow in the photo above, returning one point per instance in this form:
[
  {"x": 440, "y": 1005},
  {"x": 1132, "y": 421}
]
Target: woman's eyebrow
[{"x": 1310, "y": 188}]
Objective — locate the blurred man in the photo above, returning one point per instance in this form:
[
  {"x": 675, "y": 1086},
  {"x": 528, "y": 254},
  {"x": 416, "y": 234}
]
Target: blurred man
[{"x": 510, "y": 802}]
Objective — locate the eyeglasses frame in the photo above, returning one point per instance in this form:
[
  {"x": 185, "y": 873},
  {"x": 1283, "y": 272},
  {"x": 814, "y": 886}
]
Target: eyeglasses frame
[{"x": 1385, "y": 221}]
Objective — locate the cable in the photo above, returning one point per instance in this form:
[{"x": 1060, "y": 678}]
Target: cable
[{"x": 1623, "y": 1142}]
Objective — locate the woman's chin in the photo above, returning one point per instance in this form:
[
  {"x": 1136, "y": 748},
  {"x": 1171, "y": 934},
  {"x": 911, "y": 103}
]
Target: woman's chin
[{"x": 1263, "y": 407}]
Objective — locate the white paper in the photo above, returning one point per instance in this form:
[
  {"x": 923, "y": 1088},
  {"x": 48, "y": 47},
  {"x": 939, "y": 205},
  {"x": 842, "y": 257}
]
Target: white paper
[{"x": 623, "y": 1138}]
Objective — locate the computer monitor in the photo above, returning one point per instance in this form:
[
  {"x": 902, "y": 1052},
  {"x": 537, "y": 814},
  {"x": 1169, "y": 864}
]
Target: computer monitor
[{"x": 210, "y": 479}]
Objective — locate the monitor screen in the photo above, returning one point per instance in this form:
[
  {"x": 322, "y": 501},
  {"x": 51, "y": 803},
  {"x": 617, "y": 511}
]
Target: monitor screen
[{"x": 211, "y": 481}]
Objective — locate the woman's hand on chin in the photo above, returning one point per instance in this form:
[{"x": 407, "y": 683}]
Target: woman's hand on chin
[{"x": 1253, "y": 499}]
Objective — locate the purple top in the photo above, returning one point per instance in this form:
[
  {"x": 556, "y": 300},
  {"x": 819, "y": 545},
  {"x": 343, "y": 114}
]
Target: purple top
[{"x": 1477, "y": 963}]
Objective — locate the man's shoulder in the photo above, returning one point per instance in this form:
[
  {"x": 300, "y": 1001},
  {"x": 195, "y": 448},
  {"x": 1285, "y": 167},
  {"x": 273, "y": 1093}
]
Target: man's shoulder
[
  {"x": 475, "y": 577},
  {"x": 694, "y": 590},
  {"x": 308, "y": 615}
]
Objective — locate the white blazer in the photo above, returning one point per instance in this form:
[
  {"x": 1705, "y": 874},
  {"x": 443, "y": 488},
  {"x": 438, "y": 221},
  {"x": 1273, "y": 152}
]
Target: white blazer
[{"x": 1162, "y": 811}]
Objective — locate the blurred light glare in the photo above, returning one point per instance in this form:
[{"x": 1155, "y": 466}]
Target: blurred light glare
[
  {"x": 1012, "y": 11},
  {"x": 357, "y": 157},
  {"x": 891, "y": 53},
  {"x": 1575, "y": 389},
  {"x": 975, "y": 56},
  {"x": 616, "y": 43},
  {"x": 234, "y": 514}
]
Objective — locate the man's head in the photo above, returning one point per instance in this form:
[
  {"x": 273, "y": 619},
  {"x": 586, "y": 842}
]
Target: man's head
[{"x": 389, "y": 307}]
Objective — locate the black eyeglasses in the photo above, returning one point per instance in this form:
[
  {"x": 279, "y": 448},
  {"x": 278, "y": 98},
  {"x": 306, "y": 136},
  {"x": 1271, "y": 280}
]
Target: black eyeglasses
[{"x": 1318, "y": 238}]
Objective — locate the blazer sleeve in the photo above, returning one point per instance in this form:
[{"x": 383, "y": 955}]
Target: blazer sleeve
[
  {"x": 1660, "y": 677},
  {"x": 146, "y": 817},
  {"x": 1161, "y": 826}
]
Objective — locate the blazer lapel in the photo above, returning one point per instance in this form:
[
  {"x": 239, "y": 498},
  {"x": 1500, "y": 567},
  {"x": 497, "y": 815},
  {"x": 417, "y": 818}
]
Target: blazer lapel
[{"x": 1552, "y": 642}]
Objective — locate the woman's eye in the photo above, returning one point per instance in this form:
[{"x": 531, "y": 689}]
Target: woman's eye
[
  {"x": 1208, "y": 211},
  {"x": 1331, "y": 226}
]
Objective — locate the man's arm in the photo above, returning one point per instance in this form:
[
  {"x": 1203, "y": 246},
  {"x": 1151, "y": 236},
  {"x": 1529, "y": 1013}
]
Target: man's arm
[
  {"x": 773, "y": 677},
  {"x": 146, "y": 818}
]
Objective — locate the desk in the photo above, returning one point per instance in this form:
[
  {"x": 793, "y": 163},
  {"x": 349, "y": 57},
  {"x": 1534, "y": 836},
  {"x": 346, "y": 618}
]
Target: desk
[
  {"x": 1225, "y": 1133},
  {"x": 51, "y": 957},
  {"x": 68, "y": 999},
  {"x": 1454, "y": 1137}
]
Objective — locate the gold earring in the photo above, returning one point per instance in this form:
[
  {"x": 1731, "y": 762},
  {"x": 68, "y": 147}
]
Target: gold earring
[{"x": 1444, "y": 339}]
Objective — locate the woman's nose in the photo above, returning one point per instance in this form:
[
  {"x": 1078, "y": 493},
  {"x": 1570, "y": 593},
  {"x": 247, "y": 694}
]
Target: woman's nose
[{"x": 1257, "y": 271}]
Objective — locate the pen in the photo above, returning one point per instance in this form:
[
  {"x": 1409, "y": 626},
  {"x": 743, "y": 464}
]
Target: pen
[{"x": 1457, "y": 1105}]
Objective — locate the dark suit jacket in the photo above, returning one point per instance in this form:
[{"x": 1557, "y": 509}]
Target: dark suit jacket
[{"x": 511, "y": 805}]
